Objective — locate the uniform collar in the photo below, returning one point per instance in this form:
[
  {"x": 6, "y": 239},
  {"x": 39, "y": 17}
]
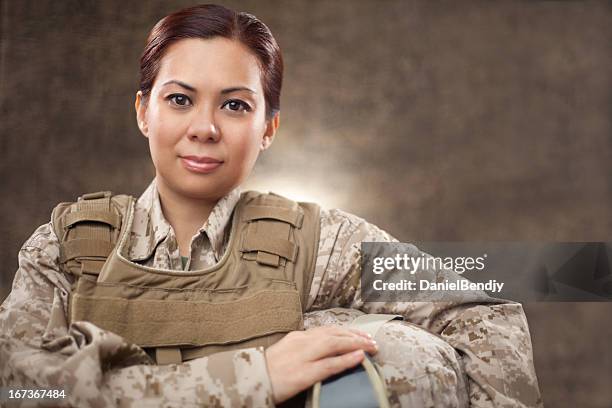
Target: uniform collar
[
  {"x": 150, "y": 227},
  {"x": 216, "y": 227}
]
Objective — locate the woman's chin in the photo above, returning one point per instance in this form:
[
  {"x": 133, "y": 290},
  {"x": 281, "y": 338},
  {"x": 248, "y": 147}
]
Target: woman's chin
[{"x": 204, "y": 191}]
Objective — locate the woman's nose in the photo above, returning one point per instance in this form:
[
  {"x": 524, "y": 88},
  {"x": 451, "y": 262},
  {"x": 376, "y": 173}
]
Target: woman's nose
[{"x": 204, "y": 129}]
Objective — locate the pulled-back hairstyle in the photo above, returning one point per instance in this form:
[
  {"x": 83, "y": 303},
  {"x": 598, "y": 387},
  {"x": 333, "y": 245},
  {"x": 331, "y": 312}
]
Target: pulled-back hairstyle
[{"x": 208, "y": 21}]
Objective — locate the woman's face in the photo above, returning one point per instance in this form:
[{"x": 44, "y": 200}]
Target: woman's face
[{"x": 205, "y": 117}]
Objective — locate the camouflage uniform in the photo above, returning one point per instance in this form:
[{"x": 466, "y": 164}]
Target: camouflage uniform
[{"x": 480, "y": 350}]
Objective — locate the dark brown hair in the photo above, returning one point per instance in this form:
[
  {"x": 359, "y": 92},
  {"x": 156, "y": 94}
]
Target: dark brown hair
[{"x": 208, "y": 21}]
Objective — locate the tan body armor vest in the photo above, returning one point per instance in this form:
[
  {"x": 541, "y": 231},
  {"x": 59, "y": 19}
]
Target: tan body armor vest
[{"x": 252, "y": 297}]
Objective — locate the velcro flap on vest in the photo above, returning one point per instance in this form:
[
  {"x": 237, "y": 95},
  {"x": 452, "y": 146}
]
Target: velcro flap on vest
[
  {"x": 276, "y": 246},
  {"x": 85, "y": 248},
  {"x": 270, "y": 239},
  {"x": 267, "y": 259},
  {"x": 91, "y": 266},
  {"x": 259, "y": 212},
  {"x": 107, "y": 217},
  {"x": 271, "y": 245},
  {"x": 158, "y": 323}
]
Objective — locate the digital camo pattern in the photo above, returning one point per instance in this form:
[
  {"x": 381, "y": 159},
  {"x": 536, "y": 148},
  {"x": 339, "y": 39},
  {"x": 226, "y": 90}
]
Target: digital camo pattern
[
  {"x": 99, "y": 369},
  {"x": 492, "y": 337},
  {"x": 419, "y": 368}
]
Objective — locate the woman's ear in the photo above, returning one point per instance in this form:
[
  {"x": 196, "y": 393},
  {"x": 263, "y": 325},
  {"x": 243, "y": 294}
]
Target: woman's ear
[
  {"x": 141, "y": 110},
  {"x": 271, "y": 127}
]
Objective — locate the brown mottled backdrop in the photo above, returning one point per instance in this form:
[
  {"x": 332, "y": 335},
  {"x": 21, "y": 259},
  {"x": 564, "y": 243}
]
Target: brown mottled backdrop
[{"x": 472, "y": 120}]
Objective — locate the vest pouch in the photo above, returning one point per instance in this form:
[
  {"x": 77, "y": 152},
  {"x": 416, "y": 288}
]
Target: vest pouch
[{"x": 198, "y": 322}]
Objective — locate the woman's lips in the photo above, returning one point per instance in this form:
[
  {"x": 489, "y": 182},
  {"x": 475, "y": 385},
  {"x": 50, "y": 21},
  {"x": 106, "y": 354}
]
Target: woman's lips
[{"x": 201, "y": 164}]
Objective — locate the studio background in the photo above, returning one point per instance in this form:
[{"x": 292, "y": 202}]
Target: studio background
[{"x": 472, "y": 120}]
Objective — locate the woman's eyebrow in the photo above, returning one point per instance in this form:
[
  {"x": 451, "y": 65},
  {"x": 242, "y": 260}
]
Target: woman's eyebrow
[
  {"x": 180, "y": 83},
  {"x": 236, "y": 88},
  {"x": 192, "y": 89}
]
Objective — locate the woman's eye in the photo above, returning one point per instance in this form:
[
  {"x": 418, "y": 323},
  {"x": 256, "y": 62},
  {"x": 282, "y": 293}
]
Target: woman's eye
[
  {"x": 237, "y": 105},
  {"x": 179, "y": 99}
]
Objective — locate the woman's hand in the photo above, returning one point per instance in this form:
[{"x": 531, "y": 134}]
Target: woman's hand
[{"x": 303, "y": 358}]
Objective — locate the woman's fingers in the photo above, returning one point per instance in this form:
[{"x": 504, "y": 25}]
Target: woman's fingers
[
  {"x": 349, "y": 331},
  {"x": 332, "y": 345},
  {"x": 359, "y": 333},
  {"x": 342, "y": 331}
]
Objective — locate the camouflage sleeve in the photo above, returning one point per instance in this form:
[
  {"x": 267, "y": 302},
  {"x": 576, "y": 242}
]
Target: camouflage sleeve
[
  {"x": 492, "y": 338},
  {"x": 97, "y": 368}
]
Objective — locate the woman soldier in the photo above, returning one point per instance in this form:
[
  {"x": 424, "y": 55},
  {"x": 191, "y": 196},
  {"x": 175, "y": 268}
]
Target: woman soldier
[{"x": 205, "y": 280}]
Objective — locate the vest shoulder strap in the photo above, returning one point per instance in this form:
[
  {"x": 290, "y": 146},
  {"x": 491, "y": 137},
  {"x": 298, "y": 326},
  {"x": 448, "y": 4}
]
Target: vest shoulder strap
[
  {"x": 88, "y": 230},
  {"x": 272, "y": 218},
  {"x": 277, "y": 229}
]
